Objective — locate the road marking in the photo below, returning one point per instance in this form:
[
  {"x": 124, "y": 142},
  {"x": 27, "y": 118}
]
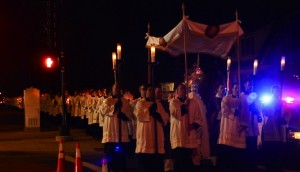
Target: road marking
[{"x": 85, "y": 164}]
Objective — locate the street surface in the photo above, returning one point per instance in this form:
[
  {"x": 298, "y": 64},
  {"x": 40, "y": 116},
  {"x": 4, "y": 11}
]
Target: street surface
[
  {"x": 29, "y": 151},
  {"x": 38, "y": 150}
]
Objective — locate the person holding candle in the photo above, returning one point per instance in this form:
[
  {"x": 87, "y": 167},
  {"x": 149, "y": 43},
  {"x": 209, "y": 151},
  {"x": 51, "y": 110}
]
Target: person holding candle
[{"x": 116, "y": 111}]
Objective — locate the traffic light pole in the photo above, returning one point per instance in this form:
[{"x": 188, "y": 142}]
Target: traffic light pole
[{"x": 64, "y": 130}]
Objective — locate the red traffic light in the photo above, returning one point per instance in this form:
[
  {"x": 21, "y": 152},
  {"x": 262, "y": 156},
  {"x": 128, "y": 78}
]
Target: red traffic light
[{"x": 50, "y": 62}]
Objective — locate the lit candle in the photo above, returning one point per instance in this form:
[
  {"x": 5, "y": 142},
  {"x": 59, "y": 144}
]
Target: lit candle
[
  {"x": 114, "y": 58},
  {"x": 68, "y": 101},
  {"x": 119, "y": 51},
  {"x": 255, "y": 64},
  {"x": 152, "y": 54},
  {"x": 282, "y": 63},
  {"x": 228, "y": 63}
]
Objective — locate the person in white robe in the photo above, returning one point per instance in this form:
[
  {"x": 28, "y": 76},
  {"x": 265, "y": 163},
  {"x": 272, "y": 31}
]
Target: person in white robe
[
  {"x": 233, "y": 126},
  {"x": 89, "y": 104},
  {"x": 168, "y": 159},
  {"x": 75, "y": 104},
  {"x": 82, "y": 105},
  {"x": 82, "y": 110},
  {"x": 75, "y": 112},
  {"x": 97, "y": 117},
  {"x": 151, "y": 116},
  {"x": 252, "y": 133},
  {"x": 203, "y": 148},
  {"x": 185, "y": 119},
  {"x": 275, "y": 118},
  {"x": 214, "y": 120},
  {"x": 56, "y": 102},
  {"x": 116, "y": 112},
  {"x": 132, "y": 123},
  {"x": 49, "y": 106}
]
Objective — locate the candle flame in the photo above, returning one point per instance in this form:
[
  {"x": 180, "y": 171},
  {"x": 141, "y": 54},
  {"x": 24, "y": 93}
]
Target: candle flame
[
  {"x": 152, "y": 53},
  {"x": 119, "y": 51},
  {"x": 255, "y": 64},
  {"x": 282, "y": 63},
  {"x": 114, "y": 58},
  {"x": 228, "y": 63}
]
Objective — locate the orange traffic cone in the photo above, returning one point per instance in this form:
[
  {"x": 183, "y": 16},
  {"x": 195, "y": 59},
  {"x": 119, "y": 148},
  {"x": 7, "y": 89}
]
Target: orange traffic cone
[
  {"x": 104, "y": 165},
  {"x": 78, "y": 162},
  {"x": 61, "y": 158}
]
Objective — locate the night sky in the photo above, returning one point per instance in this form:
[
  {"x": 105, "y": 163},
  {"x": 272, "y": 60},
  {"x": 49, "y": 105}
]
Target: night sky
[{"x": 92, "y": 30}]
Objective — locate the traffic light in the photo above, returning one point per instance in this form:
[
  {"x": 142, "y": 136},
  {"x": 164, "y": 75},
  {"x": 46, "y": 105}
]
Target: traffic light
[{"x": 50, "y": 62}]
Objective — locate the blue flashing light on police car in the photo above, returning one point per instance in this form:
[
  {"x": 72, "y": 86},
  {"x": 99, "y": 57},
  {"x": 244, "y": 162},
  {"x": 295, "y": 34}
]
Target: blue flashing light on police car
[{"x": 266, "y": 99}]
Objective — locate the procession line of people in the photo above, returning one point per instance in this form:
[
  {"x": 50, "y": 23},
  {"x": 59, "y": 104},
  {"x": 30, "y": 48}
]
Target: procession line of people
[{"x": 178, "y": 133}]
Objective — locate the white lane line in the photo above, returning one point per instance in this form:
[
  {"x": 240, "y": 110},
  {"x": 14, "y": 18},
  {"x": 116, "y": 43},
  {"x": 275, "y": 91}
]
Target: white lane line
[{"x": 85, "y": 164}]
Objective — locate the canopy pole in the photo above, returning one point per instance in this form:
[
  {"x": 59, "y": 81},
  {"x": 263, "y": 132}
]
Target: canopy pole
[
  {"x": 185, "y": 61},
  {"x": 238, "y": 51},
  {"x": 149, "y": 57},
  {"x": 184, "y": 47},
  {"x": 198, "y": 60}
]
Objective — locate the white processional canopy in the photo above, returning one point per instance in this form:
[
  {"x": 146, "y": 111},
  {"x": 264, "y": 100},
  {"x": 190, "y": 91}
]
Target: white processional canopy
[{"x": 216, "y": 40}]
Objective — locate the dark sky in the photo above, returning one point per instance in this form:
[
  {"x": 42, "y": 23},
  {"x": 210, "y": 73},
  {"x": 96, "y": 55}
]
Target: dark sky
[{"x": 93, "y": 28}]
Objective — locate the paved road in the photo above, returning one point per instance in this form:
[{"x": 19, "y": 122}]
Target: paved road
[
  {"x": 12, "y": 119},
  {"x": 38, "y": 151}
]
